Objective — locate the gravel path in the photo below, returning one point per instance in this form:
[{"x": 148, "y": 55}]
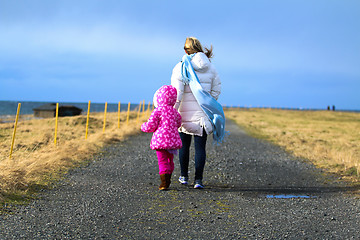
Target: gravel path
[{"x": 116, "y": 197}]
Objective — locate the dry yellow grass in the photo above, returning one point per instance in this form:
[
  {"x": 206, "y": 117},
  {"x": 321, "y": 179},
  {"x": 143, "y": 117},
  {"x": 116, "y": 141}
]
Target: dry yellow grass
[
  {"x": 329, "y": 139},
  {"x": 36, "y": 161}
]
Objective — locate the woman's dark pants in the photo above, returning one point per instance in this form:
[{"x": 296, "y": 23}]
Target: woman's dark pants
[{"x": 200, "y": 154}]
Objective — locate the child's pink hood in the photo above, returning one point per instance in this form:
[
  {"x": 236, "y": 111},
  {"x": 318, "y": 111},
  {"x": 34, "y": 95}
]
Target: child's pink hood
[{"x": 165, "y": 96}]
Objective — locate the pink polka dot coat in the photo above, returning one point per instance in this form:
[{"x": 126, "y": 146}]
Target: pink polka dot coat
[{"x": 164, "y": 120}]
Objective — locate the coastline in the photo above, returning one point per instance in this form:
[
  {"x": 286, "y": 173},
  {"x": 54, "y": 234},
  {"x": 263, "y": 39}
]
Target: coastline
[{"x": 11, "y": 118}]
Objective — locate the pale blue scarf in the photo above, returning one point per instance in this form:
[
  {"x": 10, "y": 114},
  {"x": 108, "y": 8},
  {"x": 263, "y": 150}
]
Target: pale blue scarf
[{"x": 208, "y": 104}]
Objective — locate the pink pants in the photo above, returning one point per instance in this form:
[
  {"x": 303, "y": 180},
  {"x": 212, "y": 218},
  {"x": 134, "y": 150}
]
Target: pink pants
[{"x": 165, "y": 160}]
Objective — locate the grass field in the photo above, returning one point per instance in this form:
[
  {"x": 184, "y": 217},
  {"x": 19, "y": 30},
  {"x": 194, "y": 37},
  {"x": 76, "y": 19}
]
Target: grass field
[
  {"x": 36, "y": 162},
  {"x": 329, "y": 139}
]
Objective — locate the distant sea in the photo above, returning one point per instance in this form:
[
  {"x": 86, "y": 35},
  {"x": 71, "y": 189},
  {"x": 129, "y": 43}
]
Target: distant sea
[{"x": 9, "y": 108}]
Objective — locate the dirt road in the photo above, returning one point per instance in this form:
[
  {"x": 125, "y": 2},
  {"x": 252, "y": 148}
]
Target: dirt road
[{"x": 254, "y": 190}]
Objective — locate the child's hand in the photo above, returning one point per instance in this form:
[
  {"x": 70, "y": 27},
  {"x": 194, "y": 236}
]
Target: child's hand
[{"x": 152, "y": 124}]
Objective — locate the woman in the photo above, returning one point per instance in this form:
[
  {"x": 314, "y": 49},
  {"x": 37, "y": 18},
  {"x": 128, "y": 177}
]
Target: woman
[{"x": 194, "y": 120}]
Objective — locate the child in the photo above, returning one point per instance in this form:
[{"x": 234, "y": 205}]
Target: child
[{"x": 164, "y": 122}]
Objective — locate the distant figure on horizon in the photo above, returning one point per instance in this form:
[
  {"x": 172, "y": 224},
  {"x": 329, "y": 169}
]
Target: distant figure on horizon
[
  {"x": 195, "y": 122},
  {"x": 164, "y": 122},
  {"x": 333, "y": 107}
]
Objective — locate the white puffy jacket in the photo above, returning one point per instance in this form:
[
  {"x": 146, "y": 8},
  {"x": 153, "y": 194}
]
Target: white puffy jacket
[{"x": 193, "y": 117}]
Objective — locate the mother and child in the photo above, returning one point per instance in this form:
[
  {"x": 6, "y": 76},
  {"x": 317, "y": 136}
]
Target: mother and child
[{"x": 187, "y": 108}]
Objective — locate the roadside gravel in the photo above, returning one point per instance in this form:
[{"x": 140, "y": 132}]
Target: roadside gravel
[{"x": 247, "y": 181}]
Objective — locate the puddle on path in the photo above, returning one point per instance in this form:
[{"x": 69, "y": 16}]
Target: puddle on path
[{"x": 285, "y": 196}]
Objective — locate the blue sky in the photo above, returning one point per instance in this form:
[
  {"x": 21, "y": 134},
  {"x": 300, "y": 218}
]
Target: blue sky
[{"x": 277, "y": 53}]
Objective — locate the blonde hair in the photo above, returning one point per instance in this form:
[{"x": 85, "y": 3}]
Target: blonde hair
[{"x": 193, "y": 45}]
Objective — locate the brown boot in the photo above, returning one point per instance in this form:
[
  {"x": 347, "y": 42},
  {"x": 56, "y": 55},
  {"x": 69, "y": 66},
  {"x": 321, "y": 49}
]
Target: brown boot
[
  {"x": 163, "y": 185},
  {"x": 168, "y": 180}
]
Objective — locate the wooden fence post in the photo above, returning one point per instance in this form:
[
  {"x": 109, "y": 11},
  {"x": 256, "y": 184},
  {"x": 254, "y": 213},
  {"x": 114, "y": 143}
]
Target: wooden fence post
[
  {"x": 15, "y": 126},
  {"x": 138, "y": 115},
  {"x": 119, "y": 114},
  {"x": 128, "y": 114},
  {"x": 56, "y": 122},
  {"x": 105, "y": 117},
  {"x": 87, "y": 121}
]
